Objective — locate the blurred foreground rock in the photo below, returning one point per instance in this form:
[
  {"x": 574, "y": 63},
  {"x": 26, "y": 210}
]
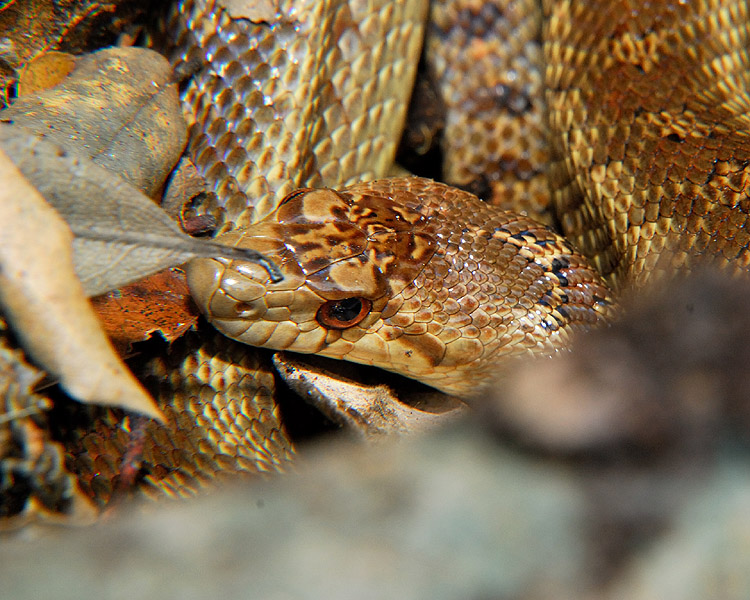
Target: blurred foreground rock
[
  {"x": 707, "y": 553},
  {"x": 447, "y": 516},
  {"x": 450, "y": 516}
]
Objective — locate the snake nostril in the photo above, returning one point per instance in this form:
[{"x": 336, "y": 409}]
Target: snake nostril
[{"x": 342, "y": 314}]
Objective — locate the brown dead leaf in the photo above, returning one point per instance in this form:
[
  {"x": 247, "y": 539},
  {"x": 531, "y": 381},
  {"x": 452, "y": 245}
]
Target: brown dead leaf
[
  {"x": 46, "y": 305},
  {"x": 31, "y": 27},
  {"x": 117, "y": 107},
  {"x": 257, "y": 11},
  {"x": 368, "y": 411},
  {"x": 158, "y": 303},
  {"x": 121, "y": 235},
  {"x": 45, "y": 71}
]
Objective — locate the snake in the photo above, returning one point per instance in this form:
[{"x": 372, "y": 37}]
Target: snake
[
  {"x": 621, "y": 123},
  {"x": 377, "y": 273}
]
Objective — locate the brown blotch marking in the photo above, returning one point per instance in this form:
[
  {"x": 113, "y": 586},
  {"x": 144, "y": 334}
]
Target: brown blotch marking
[
  {"x": 321, "y": 205},
  {"x": 341, "y": 226},
  {"x": 377, "y": 214},
  {"x": 409, "y": 215},
  {"x": 400, "y": 257},
  {"x": 318, "y": 245},
  {"x": 384, "y": 262},
  {"x": 423, "y": 247},
  {"x": 352, "y": 275},
  {"x": 315, "y": 206}
]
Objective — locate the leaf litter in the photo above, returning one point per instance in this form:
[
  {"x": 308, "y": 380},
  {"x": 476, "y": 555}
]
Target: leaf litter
[{"x": 117, "y": 110}]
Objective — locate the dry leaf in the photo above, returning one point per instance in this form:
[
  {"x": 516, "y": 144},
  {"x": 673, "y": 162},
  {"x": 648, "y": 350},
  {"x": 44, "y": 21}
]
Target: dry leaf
[
  {"x": 257, "y": 11},
  {"x": 158, "y": 303},
  {"x": 117, "y": 110},
  {"x": 45, "y": 71},
  {"x": 32, "y": 27},
  {"x": 121, "y": 235},
  {"x": 118, "y": 107},
  {"x": 368, "y": 411},
  {"x": 46, "y": 305}
]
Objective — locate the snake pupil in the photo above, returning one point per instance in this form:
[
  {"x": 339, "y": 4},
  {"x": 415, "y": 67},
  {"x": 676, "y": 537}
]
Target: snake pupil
[
  {"x": 340, "y": 314},
  {"x": 346, "y": 310}
]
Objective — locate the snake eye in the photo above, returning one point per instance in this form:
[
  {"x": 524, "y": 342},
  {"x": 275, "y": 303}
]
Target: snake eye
[{"x": 341, "y": 314}]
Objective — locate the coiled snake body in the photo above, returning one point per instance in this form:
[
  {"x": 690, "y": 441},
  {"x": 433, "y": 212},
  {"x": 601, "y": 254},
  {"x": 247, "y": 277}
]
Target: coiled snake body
[
  {"x": 645, "y": 165},
  {"x": 647, "y": 107}
]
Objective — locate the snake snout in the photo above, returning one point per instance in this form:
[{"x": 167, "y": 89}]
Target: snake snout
[
  {"x": 225, "y": 290},
  {"x": 239, "y": 299},
  {"x": 203, "y": 277}
]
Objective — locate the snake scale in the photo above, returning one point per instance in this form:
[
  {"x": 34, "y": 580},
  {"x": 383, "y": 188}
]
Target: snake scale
[{"x": 623, "y": 122}]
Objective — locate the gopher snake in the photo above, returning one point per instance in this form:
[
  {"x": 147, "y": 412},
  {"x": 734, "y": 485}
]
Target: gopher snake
[
  {"x": 365, "y": 251},
  {"x": 647, "y": 167}
]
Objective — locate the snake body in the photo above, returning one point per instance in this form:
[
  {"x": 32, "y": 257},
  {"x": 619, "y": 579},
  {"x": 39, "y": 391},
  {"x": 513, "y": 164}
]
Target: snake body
[
  {"x": 313, "y": 93},
  {"x": 649, "y": 114},
  {"x": 650, "y": 176},
  {"x": 486, "y": 59}
]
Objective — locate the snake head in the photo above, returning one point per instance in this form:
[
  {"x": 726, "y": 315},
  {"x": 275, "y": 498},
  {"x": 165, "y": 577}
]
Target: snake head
[
  {"x": 343, "y": 256},
  {"x": 405, "y": 274}
]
